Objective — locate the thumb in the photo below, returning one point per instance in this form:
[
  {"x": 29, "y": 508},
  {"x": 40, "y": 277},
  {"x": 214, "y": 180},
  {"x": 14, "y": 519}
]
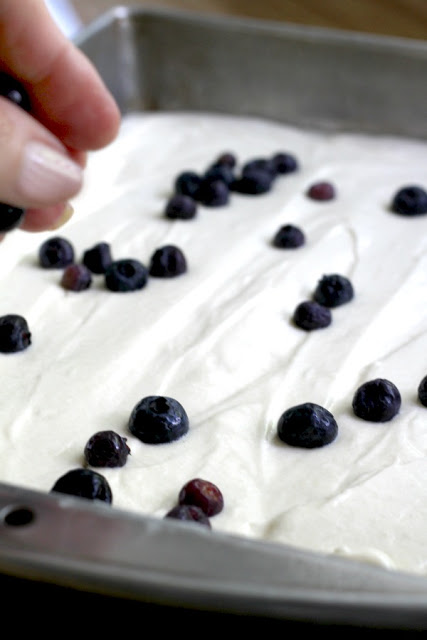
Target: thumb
[{"x": 36, "y": 170}]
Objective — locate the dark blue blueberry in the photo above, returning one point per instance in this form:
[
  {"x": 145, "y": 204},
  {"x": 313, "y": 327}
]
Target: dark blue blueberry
[
  {"x": 253, "y": 182},
  {"x": 307, "y": 425},
  {"x": 14, "y": 333},
  {"x": 98, "y": 257},
  {"x": 333, "y": 290},
  {"x": 76, "y": 277},
  {"x": 321, "y": 191},
  {"x": 220, "y": 172},
  {"x": 13, "y": 90},
  {"x": 84, "y": 483},
  {"x": 181, "y": 207},
  {"x": 106, "y": 449},
  {"x": 262, "y": 164},
  {"x": 422, "y": 391},
  {"x": 126, "y": 275},
  {"x": 410, "y": 201},
  {"x": 226, "y": 158},
  {"x": 289, "y": 237},
  {"x": 56, "y": 253},
  {"x": 203, "y": 494},
  {"x": 167, "y": 262},
  {"x": 284, "y": 163},
  {"x": 10, "y": 217},
  {"x": 189, "y": 513},
  {"x": 213, "y": 193},
  {"x": 378, "y": 400},
  {"x": 158, "y": 419},
  {"x": 311, "y": 315},
  {"x": 188, "y": 183}
]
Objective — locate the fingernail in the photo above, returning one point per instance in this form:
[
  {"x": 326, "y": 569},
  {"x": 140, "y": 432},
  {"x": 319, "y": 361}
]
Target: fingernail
[
  {"x": 48, "y": 176},
  {"x": 64, "y": 217}
]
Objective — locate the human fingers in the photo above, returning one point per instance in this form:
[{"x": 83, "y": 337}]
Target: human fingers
[
  {"x": 66, "y": 93},
  {"x": 36, "y": 170},
  {"x": 48, "y": 218}
]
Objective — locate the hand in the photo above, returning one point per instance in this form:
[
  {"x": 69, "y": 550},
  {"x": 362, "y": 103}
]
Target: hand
[{"x": 44, "y": 151}]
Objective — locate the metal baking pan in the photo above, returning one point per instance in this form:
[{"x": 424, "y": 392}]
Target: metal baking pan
[
  {"x": 168, "y": 60},
  {"x": 155, "y": 59}
]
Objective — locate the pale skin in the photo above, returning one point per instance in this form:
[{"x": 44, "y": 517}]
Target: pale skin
[{"x": 72, "y": 111}]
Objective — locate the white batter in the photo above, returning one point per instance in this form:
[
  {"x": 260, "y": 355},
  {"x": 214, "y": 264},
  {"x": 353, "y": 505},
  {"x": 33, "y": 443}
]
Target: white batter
[{"x": 220, "y": 338}]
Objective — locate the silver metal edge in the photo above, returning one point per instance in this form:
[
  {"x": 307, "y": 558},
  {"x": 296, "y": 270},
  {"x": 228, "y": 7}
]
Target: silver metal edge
[{"x": 303, "y": 32}]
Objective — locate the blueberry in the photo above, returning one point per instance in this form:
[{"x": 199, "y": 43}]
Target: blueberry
[
  {"x": 126, "y": 275},
  {"x": 158, "y": 419},
  {"x": 307, "y": 425},
  {"x": 181, "y": 207},
  {"x": 10, "y": 217},
  {"x": 76, "y": 277},
  {"x": 189, "y": 513},
  {"x": 422, "y": 391},
  {"x": 321, "y": 191},
  {"x": 226, "y": 158},
  {"x": 289, "y": 237},
  {"x": 260, "y": 164},
  {"x": 213, "y": 193},
  {"x": 253, "y": 182},
  {"x": 14, "y": 333},
  {"x": 56, "y": 253},
  {"x": 220, "y": 172},
  {"x": 377, "y": 401},
  {"x": 310, "y": 315},
  {"x": 333, "y": 290},
  {"x": 11, "y": 89},
  {"x": 410, "y": 201},
  {"x": 106, "y": 449},
  {"x": 203, "y": 494},
  {"x": 167, "y": 262},
  {"x": 98, "y": 257},
  {"x": 284, "y": 163},
  {"x": 84, "y": 483},
  {"x": 188, "y": 183}
]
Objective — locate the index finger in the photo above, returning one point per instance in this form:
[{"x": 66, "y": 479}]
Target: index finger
[{"x": 66, "y": 92}]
